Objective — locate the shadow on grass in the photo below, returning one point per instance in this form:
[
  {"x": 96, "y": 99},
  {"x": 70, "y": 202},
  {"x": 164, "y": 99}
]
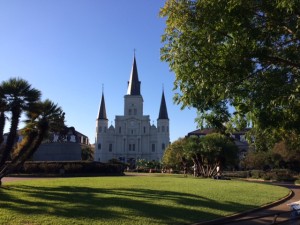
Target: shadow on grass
[{"x": 164, "y": 207}]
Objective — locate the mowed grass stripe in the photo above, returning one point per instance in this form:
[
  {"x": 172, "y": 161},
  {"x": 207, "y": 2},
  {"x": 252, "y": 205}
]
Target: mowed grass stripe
[{"x": 152, "y": 199}]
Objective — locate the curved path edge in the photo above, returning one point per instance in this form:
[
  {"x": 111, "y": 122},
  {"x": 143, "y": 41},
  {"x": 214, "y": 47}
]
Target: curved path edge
[{"x": 244, "y": 213}]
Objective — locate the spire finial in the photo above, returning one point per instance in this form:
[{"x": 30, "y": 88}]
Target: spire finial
[
  {"x": 102, "y": 88},
  {"x": 134, "y": 50}
]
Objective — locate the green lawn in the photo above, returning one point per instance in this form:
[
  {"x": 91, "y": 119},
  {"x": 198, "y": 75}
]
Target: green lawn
[{"x": 153, "y": 199}]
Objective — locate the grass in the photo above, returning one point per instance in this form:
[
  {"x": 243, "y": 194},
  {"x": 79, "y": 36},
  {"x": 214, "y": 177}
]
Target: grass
[{"x": 152, "y": 199}]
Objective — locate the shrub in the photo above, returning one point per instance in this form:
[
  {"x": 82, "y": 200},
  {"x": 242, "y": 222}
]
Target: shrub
[
  {"x": 256, "y": 174},
  {"x": 236, "y": 174},
  {"x": 282, "y": 175}
]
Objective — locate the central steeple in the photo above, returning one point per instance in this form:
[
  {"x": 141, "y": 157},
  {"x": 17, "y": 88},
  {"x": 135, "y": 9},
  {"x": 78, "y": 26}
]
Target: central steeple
[
  {"x": 102, "y": 110},
  {"x": 134, "y": 85}
]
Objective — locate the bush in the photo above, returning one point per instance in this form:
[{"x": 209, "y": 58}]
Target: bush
[
  {"x": 257, "y": 174},
  {"x": 275, "y": 174},
  {"x": 282, "y": 175},
  {"x": 236, "y": 174}
]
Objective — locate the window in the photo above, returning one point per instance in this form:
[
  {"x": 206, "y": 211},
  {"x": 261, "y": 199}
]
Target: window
[
  {"x": 120, "y": 130},
  {"x": 135, "y": 111},
  {"x": 163, "y": 129},
  {"x": 129, "y": 147},
  {"x": 153, "y": 147},
  {"x": 100, "y": 129},
  {"x": 144, "y": 130},
  {"x": 110, "y": 147},
  {"x": 163, "y": 146},
  {"x": 99, "y": 146},
  {"x": 129, "y": 111},
  {"x": 104, "y": 129}
]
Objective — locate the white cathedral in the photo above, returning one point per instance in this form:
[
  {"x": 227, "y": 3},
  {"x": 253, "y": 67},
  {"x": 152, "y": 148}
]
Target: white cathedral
[{"x": 133, "y": 137}]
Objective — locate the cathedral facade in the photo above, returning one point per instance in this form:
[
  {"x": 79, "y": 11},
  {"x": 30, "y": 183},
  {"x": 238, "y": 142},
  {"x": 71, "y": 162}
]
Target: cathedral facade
[{"x": 133, "y": 137}]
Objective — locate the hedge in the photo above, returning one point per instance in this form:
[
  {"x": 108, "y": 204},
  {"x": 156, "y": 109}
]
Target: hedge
[
  {"x": 70, "y": 168},
  {"x": 274, "y": 174}
]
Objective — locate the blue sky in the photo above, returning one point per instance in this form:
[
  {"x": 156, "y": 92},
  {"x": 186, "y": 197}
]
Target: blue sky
[{"x": 69, "y": 48}]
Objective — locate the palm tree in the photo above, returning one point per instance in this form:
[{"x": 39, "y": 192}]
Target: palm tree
[
  {"x": 43, "y": 117},
  {"x": 18, "y": 96}
]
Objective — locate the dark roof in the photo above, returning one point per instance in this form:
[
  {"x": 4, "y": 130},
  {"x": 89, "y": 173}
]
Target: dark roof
[
  {"x": 163, "y": 113},
  {"x": 102, "y": 110},
  {"x": 134, "y": 84},
  {"x": 206, "y": 131}
]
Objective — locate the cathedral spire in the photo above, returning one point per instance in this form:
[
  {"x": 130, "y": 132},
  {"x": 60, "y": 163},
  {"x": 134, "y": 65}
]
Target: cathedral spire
[
  {"x": 102, "y": 109},
  {"x": 134, "y": 83},
  {"x": 163, "y": 113}
]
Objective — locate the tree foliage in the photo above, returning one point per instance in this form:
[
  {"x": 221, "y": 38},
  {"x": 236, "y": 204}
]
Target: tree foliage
[
  {"x": 175, "y": 156},
  {"x": 236, "y": 53}
]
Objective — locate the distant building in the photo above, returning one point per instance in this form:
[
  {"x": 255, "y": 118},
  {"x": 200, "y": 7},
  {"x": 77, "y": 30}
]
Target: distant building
[
  {"x": 132, "y": 137},
  {"x": 64, "y": 147}
]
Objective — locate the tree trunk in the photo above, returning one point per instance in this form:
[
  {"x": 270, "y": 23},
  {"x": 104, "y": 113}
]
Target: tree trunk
[
  {"x": 11, "y": 138},
  {"x": 2, "y": 125},
  {"x": 24, "y": 146}
]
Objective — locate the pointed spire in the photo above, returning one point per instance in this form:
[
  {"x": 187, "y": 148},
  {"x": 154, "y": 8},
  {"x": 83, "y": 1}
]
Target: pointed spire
[
  {"x": 102, "y": 109},
  {"x": 134, "y": 83},
  {"x": 163, "y": 113}
]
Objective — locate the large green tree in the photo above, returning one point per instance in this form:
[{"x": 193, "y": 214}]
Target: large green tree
[
  {"x": 239, "y": 53},
  {"x": 205, "y": 153},
  {"x": 211, "y": 153},
  {"x": 175, "y": 157}
]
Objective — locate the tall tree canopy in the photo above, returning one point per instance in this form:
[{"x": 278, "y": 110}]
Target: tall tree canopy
[
  {"x": 205, "y": 153},
  {"x": 239, "y": 53}
]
